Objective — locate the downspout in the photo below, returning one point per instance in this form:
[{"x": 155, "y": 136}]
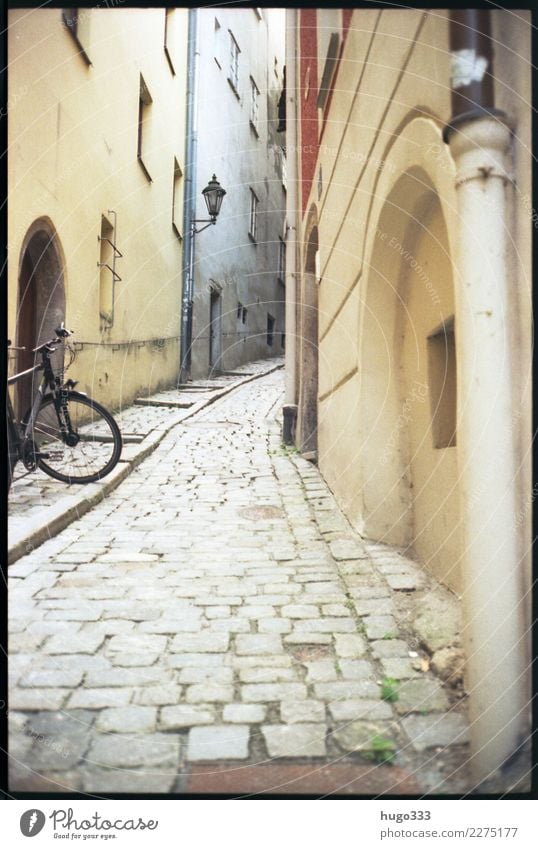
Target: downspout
[
  {"x": 479, "y": 137},
  {"x": 289, "y": 410},
  {"x": 189, "y": 209}
]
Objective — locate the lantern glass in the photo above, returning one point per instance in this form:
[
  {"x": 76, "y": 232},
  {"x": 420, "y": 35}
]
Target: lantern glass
[{"x": 213, "y": 195}]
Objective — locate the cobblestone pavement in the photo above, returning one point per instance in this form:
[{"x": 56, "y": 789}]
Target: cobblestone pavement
[{"x": 214, "y": 625}]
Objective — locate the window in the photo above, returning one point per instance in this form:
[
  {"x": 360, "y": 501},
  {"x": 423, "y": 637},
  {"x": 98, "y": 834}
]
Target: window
[
  {"x": 106, "y": 274},
  {"x": 283, "y": 169},
  {"x": 234, "y": 64},
  {"x": 144, "y": 105},
  {"x": 254, "y": 104},
  {"x": 442, "y": 385},
  {"x": 177, "y": 200},
  {"x": 270, "y": 329},
  {"x": 169, "y": 32},
  {"x": 241, "y": 314},
  {"x": 239, "y": 310},
  {"x": 252, "y": 224},
  {"x": 281, "y": 259},
  {"x": 329, "y": 40},
  {"x": 77, "y": 22},
  {"x": 244, "y": 316}
]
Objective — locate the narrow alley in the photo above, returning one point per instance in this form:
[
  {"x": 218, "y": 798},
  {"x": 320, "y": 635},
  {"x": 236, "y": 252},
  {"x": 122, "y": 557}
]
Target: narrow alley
[{"x": 216, "y": 626}]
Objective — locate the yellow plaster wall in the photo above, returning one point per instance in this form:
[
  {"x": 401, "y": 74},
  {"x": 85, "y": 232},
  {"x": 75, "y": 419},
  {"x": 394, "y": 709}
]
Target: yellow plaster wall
[{"x": 73, "y": 156}]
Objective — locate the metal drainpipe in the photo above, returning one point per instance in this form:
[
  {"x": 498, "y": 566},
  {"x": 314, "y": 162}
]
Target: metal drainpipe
[
  {"x": 479, "y": 138},
  {"x": 189, "y": 209},
  {"x": 289, "y": 410}
]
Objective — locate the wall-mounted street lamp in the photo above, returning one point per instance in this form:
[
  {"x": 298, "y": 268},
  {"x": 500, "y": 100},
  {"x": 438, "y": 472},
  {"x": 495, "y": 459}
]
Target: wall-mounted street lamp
[{"x": 213, "y": 195}]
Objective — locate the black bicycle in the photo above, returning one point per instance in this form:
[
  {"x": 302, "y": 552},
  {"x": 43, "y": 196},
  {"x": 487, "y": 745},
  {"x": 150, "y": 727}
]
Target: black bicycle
[{"x": 65, "y": 433}]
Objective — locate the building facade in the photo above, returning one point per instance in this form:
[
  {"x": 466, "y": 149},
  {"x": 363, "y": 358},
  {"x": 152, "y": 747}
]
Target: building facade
[
  {"x": 409, "y": 308},
  {"x": 96, "y": 164},
  {"x": 238, "y": 296}
]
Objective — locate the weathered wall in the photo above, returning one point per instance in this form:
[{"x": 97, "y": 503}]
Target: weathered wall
[
  {"x": 386, "y": 206},
  {"x": 242, "y": 157},
  {"x": 73, "y": 137}
]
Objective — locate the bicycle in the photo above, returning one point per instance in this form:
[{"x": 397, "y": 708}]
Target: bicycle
[{"x": 65, "y": 433}]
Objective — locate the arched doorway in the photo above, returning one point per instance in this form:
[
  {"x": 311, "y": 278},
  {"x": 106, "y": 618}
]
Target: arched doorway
[
  {"x": 309, "y": 348},
  {"x": 41, "y": 300},
  {"x": 408, "y": 390}
]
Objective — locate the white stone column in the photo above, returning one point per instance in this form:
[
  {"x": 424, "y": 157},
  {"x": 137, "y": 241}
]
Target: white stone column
[{"x": 492, "y": 574}]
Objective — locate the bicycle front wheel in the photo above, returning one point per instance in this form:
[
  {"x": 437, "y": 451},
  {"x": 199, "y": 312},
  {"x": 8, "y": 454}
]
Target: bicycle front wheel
[{"x": 95, "y": 437}]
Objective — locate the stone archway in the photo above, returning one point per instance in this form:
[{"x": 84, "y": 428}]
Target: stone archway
[
  {"x": 41, "y": 299},
  {"x": 309, "y": 351},
  {"x": 408, "y": 388}
]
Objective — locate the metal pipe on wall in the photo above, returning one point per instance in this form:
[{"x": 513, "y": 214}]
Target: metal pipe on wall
[
  {"x": 479, "y": 137},
  {"x": 189, "y": 209},
  {"x": 290, "y": 397}
]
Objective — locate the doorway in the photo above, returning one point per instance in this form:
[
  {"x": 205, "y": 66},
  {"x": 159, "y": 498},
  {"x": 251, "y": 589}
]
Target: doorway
[
  {"x": 41, "y": 302},
  {"x": 215, "y": 328},
  {"x": 309, "y": 345}
]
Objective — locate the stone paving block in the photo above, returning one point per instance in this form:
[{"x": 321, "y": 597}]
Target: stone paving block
[
  {"x": 137, "y": 643},
  {"x": 128, "y": 750},
  {"x": 72, "y": 644},
  {"x": 200, "y": 643},
  {"x": 390, "y": 648},
  {"x": 335, "y": 610},
  {"x": 219, "y": 611},
  {"x": 204, "y": 659},
  {"x": 177, "y": 717},
  {"x": 127, "y": 720},
  {"x": 374, "y": 607},
  {"x": 350, "y": 709},
  {"x": 302, "y": 710},
  {"x": 42, "y": 698},
  {"x": 51, "y": 678},
  {"x": 437, "y": 729},
  {"x": 350, "y": 645},
  {"x": 295, "y": 741},
  {"x": 257, "y": 612},
  {"x": 165, "y": 694},
  {"x": 258, "y": 644},
  {"x": 134, "y": 658},
  {"x": 356, "y": 669},
  {"x": 380, "y": 627},
  {"x": 199, "y": 675},
  {"x": 244, "y": 713},
  {"x": 231, "y": 625},
  {"x": 399, "y": 667},
  {"x": 209, "y": 692},
  {"x": 335, "y": 690},
  {"x": 171, "y": 626},
  {"x": 127, "y": 676},
  {"x": 321, "y": 670},
  {"x": 347, "y": 549},
  {"x": 300, "y": 611},
  {"x": 422, "y": 694},
  {"x": 364, "y": 737},
  {"x": 272, "y": 692},
  {"x": 326, "y": 625},
  {"x": 274, "y": 626},
  {"x": 100, "y": 698},
  {"x": 218, "y": 742},
  {"x": 303, "y": 638},
  {"x": 262, "y": 675},
  {"x": 259, "y": 661},
  {"x": 322, "y": 588}
]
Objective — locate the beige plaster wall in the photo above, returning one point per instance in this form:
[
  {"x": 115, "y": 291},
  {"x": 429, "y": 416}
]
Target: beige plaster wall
[
  {"x": 390, "y": 103},
  {"x": 72, "y": 156}
]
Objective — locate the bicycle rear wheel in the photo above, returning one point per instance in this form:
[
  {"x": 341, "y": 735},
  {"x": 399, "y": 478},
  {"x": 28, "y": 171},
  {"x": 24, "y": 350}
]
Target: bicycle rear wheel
[{"x": 95, "y": 433}]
